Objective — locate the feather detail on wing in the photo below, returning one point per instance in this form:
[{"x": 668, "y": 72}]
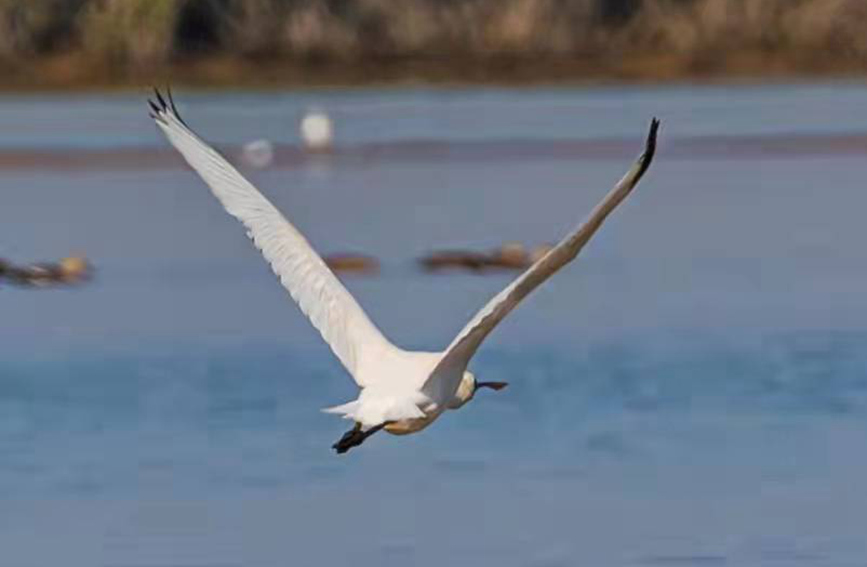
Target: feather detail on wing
[
  {"x": 320, "y": 295},
  {"x": 445, "y": 379}
]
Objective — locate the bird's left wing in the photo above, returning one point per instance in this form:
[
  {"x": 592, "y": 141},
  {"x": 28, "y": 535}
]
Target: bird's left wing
[
  {"x": 444, "y": 380},
  {"x": 319, "y": 294}
]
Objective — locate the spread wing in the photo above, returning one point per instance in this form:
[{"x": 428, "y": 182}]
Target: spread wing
[
  {"x": 443, "y": 382},
  {"x": 313, "y": 286}
]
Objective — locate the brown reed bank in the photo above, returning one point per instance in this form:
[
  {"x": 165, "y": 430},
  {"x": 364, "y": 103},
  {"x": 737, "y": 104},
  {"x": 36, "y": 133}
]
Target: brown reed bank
[{"x": 63, "y": 43}]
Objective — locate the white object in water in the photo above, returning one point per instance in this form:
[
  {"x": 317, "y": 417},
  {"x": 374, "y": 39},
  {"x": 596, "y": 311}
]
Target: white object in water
[
  {"x": 401, "y": 391},
  {"x": 316, "y": 131},
  {"x": 258, "y": 153}
]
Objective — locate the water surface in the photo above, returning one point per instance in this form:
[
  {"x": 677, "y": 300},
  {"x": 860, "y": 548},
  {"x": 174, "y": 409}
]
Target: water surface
[{"x": 690, "y": 392}]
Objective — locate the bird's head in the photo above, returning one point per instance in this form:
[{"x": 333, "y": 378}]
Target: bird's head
[{"x": 469, "y": 386}]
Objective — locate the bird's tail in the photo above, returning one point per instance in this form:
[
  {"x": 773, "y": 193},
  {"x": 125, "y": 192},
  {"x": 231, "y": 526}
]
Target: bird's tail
[
  {"x": 346, "y": 410},
  {"x": 372, "y": 411}
]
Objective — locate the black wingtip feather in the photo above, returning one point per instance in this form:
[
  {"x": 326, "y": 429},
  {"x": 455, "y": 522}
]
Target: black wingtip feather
[
  {"x": 157, "y": 107},
  {"x": 173, "y": 106},
  {"x": 160, "y": 99},
  {"x": 162, "y": 106},
  {"x": 171, "y": 100},
  {"x": 651, "y": 136},
  {"x": 649, "y": 147}
]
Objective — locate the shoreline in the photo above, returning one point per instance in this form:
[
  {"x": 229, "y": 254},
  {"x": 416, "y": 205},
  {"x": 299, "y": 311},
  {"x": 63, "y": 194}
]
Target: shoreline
[
  {"x": 721, "y": 147},
  {"x": 71, "y": 73}
]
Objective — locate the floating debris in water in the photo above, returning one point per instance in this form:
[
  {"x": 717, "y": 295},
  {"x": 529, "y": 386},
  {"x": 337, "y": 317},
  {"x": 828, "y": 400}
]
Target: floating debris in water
[
  {"x": 509, "y": 256},
  {"x": 514, "y": 255},
  {"x": 453, "y": 259},
  {"x": 68, "y": 271},
  {"x": 352, "y": 263}
]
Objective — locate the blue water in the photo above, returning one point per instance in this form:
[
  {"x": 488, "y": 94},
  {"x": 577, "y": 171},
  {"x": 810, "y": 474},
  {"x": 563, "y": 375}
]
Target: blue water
[
  {"x": 692, "y": 391},
  {"x": 455, "y": 114}
]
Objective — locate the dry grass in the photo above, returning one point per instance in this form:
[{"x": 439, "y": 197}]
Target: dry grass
[
  {"x": 130, "y": 39},
  {"x": 129, "y": 33},
  {"x": 29, "y": 28},
  {"x": 707, "y": 32}
]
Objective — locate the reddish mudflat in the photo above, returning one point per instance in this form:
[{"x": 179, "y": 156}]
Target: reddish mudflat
[{"x": 287, "y": 155}]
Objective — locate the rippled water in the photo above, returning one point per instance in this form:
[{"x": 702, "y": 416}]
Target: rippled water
[{"x": 692, "y": 391}]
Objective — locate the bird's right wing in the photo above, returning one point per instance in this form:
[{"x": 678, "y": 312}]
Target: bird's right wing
[
  {"x": 444, "y": 380},
  {"x": 318, "y": 292}
]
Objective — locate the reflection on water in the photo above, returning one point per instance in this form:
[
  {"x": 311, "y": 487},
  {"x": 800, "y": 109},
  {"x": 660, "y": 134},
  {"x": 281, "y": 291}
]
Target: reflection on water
[{"x": 690, "y": 392}]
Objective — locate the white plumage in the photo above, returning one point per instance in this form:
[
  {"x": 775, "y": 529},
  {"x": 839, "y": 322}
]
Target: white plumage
[
  {"x": 258, "y": 153},
  {"x": 401, "y": 391},
  {"x": 316, "y": 130}
]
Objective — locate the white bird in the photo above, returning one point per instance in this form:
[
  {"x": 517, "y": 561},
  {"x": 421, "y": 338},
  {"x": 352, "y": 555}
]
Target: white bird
[
  {"x": 258, "y": 153},
  {"x": 401, "y": 391},
  {"x": 316, "y": 131}
]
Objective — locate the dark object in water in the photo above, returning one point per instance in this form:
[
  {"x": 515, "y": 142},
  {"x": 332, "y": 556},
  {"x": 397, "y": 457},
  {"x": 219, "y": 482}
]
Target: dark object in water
[
  {"x": 68, "y": 271},
  {"x": 509, "y": 256},
  {"x": 514, "y": 256},
  {"x": 352, "y": 263},
  {"x": 454, "y": 260}
]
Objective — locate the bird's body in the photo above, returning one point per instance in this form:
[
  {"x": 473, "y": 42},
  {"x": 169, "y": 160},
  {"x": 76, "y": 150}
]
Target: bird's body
[
  {"x": 400, "y": 391},
  {"x": 396, "y": 396}
]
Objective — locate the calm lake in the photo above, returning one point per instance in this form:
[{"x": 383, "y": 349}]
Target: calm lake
[{"x": 691, "y": 391}]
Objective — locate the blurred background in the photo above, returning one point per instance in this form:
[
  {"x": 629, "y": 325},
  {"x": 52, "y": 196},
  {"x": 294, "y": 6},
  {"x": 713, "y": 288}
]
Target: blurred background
[
  {"x": 691, "y": 391},
  {"x": 79, "y": 43}
]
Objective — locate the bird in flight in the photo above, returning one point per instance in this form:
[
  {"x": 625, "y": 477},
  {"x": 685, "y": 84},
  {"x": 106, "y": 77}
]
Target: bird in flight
[{"x": 402, "y": 391}]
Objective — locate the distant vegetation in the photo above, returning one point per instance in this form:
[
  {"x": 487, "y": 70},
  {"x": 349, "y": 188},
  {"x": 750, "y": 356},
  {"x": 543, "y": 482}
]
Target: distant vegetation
[{"x": 79, "y": 42}]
